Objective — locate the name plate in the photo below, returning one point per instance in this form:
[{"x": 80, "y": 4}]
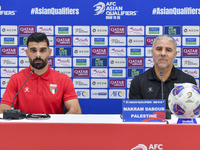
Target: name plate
[{"x": 143, "y": 110}]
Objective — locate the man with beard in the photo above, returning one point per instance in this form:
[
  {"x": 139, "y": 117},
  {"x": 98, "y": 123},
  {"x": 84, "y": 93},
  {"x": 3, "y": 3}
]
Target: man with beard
[
  {"x": 47, "y": 90},
  {"x": 148, "y": 84}
]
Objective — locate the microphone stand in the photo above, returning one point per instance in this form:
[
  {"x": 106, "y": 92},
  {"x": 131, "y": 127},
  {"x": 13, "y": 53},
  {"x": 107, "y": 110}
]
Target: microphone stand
[{"x": 15, "y": 113}]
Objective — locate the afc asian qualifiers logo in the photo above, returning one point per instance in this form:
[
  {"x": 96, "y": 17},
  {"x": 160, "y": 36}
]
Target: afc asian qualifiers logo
[
  {"x": 100, "y": 8},
  {"x": 151, "y": 147},
  {"x": 53, "y": 88},
  {"x": 112, "y": 10}
]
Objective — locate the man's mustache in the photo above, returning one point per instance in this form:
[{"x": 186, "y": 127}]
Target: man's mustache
[{"x": 37, "y": 59}]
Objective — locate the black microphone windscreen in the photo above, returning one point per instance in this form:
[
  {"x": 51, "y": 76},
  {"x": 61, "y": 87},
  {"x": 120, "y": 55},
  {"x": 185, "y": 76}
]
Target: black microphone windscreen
[
  {"x": 161, "y": 73},
  {"x": 32, "y": 70}
]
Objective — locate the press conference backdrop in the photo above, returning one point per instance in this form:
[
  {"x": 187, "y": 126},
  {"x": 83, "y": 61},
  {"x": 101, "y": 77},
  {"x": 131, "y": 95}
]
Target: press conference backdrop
[{"x": 101, "y": 45}]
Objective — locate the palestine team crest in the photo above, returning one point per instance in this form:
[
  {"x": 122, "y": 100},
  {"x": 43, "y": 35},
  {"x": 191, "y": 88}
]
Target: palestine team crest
[{"x": 53, "y": 88}]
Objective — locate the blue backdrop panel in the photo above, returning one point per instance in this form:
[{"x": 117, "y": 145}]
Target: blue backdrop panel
[{"x": 101, "y": 45}]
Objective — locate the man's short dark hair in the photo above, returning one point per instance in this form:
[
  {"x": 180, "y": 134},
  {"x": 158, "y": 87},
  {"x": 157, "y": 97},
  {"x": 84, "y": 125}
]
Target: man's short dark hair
[{"x": 38, "y": 37}]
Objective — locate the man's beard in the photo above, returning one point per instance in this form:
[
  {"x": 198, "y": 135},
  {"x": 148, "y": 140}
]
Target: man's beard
[{"x": 38, "y": 65}]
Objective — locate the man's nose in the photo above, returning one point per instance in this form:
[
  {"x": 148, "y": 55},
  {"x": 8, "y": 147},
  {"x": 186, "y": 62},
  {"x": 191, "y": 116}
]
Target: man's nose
[
  {"x": 38, "y": 54},
  {"x": 163, "y": 52}
]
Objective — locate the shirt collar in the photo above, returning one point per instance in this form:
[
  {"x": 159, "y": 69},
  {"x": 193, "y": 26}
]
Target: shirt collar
[
  {"x": 45, "y": 76},
  {"x": 152, "y": 75}
]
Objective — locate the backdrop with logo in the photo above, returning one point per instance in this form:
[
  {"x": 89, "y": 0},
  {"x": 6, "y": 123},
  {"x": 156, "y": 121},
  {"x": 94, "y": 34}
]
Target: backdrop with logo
[{"x": 101, "y": 45}]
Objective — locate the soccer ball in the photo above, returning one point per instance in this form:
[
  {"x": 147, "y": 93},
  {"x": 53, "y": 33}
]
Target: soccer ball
[{"x": 184, "y": 101}]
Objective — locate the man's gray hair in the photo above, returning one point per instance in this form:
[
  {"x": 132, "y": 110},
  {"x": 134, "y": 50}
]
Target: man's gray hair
[{"x": 167, "y": 37}]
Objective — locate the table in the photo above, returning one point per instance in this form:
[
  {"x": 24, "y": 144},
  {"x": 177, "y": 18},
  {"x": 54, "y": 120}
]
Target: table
[{"x": 95, "y": 132}]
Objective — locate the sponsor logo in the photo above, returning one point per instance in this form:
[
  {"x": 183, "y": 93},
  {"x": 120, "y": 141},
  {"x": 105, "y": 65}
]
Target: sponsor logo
[
  {"x": 128, "y": 85},
  {"x": 154, "y": 30},
  {"x": 99, "y": 30},
  {"x": 63, "y": 30},
  {"x": 117, "y": 51},
  {"x": 135, "y": 41},
  {"x": 117, "y": 72},
  {"x": 23, "y": 40},
  {"x": 192, "y": 72},
  {"x": 134, "y": 72},
  {"x": 117, "y": 83},
  {"x": 8, "y": 61},
  {"x": 99, "y": 41},
  {"x": 175, "y": 11},
  {"x": 148, "y": 51},
  {"x": 67, "y": 71},
  {"x": 99, "y": 72},
  {"x": 135, "y": 51},
  {"x": 176, "y": 62},
  {"x": 51, "y": 40},
  {"x": 4, "y": 82},
  {"x": 149, "y": 41},
  {"x": 50, "y": 62},
  {"x": 2, "y": 92},
  {"x": 118, "y": 94},
  {"x": 54, "y": 11},
  {"x": 135, "y": 62},
  {"x": 190, "y": 30},
  {"x": 190, "y": 41},
  {"x": 81, "y": 41},
  {"x": 63, "y": 62},
  {"x": 83, "y": 93},
  {"x": 9, "y": 30},
  {"x": 117, "y": 41},
  {"x": 8, "y": 72},
  {"x": 99, "y": 51},
  {"x": 81, "y": 72},
  {"x": 135, "y": 30},
  {"x": 53, "y": 88},
  {"x": 117, "y": 62},
  {"x": 22, "y": 51},
  {"x": 178, "y": 40},
  {"x": 24, "y": 61},
  {"x": 172, "y": 30},
  {"x": 63, "y": 51},
  {"x": 151, "y": 147},
  {"x": 112, "y": 10},
  {"x": 99, "y": 83},
  {"x": 7, "y": 12},
  {"x": 81, "y": 51},
  {"x": 8, "y": 51},
  {"x": 81, "y": 83},
  {"x": 190, "y": 51},
  {"x": 8, "y": 40},
  {"x": 26, "y": 30},
  {"x": 99, "y": 94},
  {"x": 48, "y": 30},
  {"x": 63, "y": 41},
  {"x": 99, "y": 62},
  {"x": 117, "y": 30},
  {"x": 81, "y": 30},
  {"x": 149, "y": 62},
  {"x": 81, "y": 62},
  {"x": 194, "y": 62}
]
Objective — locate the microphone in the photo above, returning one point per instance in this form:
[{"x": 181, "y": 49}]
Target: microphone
[
  {"x": 168, "y": 112},
  {"x": 14, "y": 113}
]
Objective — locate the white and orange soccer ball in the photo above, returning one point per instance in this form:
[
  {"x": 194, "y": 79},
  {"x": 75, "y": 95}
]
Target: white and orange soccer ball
[{"x": 184, "y": 101}]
